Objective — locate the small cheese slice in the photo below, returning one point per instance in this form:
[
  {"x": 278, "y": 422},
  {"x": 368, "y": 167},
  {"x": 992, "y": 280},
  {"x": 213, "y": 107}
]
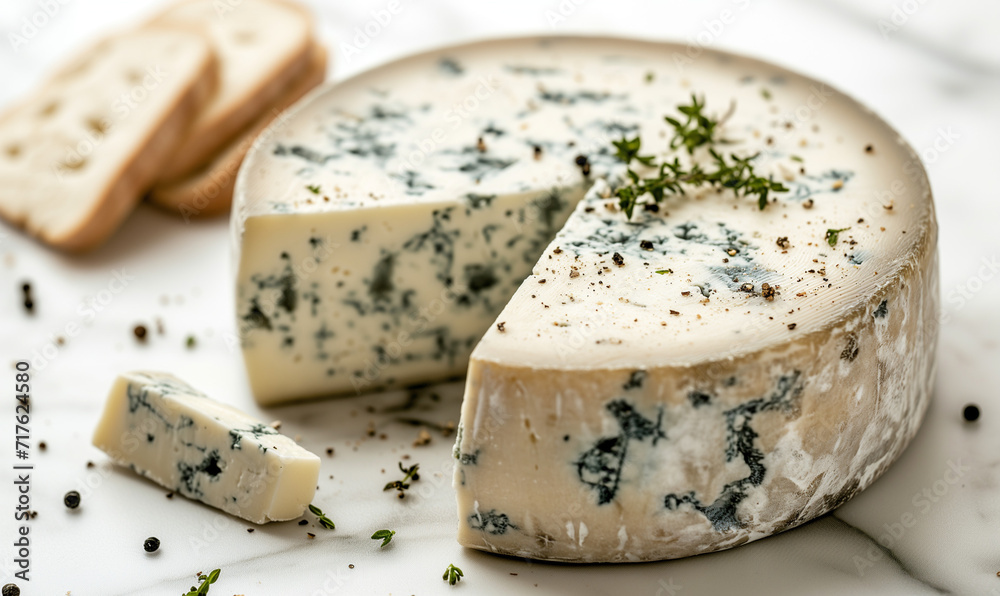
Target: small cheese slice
[{"x": 165, "y": 430}]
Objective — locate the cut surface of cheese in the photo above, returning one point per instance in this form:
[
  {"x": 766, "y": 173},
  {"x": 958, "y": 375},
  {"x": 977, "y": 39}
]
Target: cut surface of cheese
[
  {"x": 700, "y": 375},
  {"x": 262, "y": 46},
  {"x": 209, "y": 191},
  {"x": 165, "y": 430},
  {"x": 77, "y": 154}
]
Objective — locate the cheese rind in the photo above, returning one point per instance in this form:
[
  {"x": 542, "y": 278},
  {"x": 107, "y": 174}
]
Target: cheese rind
[
  {"x": 666, "y": 461},
  {"x": 173, "y": 434}
]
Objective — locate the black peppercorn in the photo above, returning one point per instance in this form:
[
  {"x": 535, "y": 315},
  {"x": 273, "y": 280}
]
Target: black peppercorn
[
  {"x": 971, "y": 412},
  {"x": 140, "y": 332},
  {"x": 29, "y": 302},
  {"x": 72, "y": 499},
  {"x": 11, "y": 590},
  {"x": 151, "y": 545}
]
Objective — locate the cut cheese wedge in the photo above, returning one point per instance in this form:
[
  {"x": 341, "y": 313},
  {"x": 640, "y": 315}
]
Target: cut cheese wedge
[
  {"x": 701, "y": 375},
  {"x": 165, "y": 430},
  {"x": 77, "y": 155},
  {"x": 263, "y": 45},
  {"x": 209, "y": 191}
]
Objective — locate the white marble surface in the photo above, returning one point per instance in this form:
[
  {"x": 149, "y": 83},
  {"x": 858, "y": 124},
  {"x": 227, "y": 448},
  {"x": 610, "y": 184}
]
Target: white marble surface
[{"x": 936, "y": 77}]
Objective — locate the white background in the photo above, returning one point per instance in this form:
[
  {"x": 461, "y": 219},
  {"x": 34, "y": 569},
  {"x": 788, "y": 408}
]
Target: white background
[{"x": 931, "y": 68}]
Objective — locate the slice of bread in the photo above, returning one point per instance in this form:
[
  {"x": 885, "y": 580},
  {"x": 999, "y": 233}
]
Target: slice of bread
[
  {"x": 262, "y": 46},
  {"x": 209, "y": 191},
  {"x": 80, "y": 152}
]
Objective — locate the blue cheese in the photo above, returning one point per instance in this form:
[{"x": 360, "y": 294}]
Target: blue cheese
[
  {"x": 708, "y": 373},
  {"x": 700, "y": 375},
  {"x": 165, "y": 430}
]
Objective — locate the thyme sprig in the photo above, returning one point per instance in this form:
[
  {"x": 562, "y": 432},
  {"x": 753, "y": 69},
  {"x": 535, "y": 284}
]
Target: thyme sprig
[
  {"x": 206, "y": 581},
  {"x": 384, "y": 535},
  {"x": 833, "y": 235},
  {"x": 409, "y": 473},
  {"x": 452, "y": 575},
  {"x": 672, "y": 177},
  {"x": 323, "y": 520},
  {"x": 697, "y": 130}
]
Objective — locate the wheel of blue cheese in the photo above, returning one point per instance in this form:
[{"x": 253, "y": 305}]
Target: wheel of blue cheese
[{"x": 699, "y": 375}]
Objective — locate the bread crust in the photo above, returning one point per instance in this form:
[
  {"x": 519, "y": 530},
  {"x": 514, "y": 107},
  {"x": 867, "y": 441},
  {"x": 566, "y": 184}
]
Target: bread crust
[
  {"x": 136, "y": 172},
  {"x": 209, "y": 191},
  {"x": 205, "y": 139}
]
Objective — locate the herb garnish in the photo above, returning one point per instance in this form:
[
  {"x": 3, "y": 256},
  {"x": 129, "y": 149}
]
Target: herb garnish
[
  {"x": 410, "y": 473},
  {"x": 385, "y": 536},
  {"x": 313, "y": 188},
  {"x": 323, "y": 519},
  {"x": 452, "y": 575},
  {"x": 664, "y": 271},
  {"x": 696, "y": 131},
  {"x": 831, "y": 235},
  {"x": 206, "y": 581},
  {"x": 734, "y": 172}
]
